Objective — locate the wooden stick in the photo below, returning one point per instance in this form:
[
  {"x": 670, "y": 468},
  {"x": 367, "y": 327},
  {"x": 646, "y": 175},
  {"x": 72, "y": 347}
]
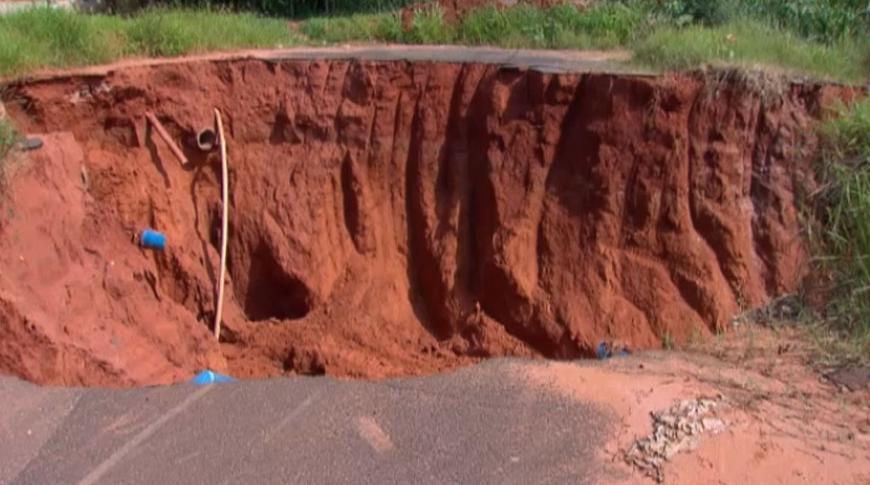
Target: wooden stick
[
  {"x": 165, "y": 135},
  {"x": 225, "y": 224}
]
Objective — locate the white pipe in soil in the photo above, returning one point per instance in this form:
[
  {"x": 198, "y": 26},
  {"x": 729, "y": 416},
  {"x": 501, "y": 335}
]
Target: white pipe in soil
[{"x": 225, "y": 182}]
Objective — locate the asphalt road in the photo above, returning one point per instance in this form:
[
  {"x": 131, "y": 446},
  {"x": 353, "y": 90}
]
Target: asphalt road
[
  {"x": 477, "y": 425},
  {"x": 555, "y": 61}
]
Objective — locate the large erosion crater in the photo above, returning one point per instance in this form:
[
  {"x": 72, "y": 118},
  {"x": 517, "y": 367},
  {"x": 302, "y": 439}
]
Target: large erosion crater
[{"x": 391, "y": 218}]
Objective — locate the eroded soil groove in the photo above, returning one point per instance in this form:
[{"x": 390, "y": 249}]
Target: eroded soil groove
[{"x": 393, "y": 218}]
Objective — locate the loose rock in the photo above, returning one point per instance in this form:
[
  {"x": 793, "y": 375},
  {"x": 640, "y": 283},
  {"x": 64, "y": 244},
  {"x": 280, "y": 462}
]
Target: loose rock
[{"x": 675, "y": 430}]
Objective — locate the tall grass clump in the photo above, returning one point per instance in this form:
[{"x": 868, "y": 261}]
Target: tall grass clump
[
  {"x": 747, "y": 43},
  {"x": 429, "y": 27},
  {"x": 700, "y": 12},
  {"x": 8, "y": 137},
  {"x": 171, "y": 32},
  {"x": 53, "y": 37},
  {"x": 383, "y": 27},
  {"x": 605, "y": 25},
  {"x": 827, "y": 21},
  {"x": 845, "y": 232},
  {"x": 46, "y": 37},
  {"x": 303, "y": 8},
  {"x": 521, "y": 26}
]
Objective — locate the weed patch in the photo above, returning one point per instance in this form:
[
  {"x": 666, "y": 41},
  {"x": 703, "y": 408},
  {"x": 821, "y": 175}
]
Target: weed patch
[
  {"x": 46, "y": 37},
  {"x": 383, "y": 27},
  {"x": 748, "y": 44},
  {"x": 844, "y": 238},
  {"x": 8, "y": 137}
]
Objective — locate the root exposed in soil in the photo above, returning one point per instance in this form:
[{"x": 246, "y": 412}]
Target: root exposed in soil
[{"x": 392, "y": 218}]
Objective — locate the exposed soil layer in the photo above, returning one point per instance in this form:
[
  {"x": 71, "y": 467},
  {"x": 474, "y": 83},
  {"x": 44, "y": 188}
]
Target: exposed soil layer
[{"x": 393, "y": 218}]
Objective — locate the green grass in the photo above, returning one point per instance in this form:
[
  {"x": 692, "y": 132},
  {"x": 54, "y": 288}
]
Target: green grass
[
  {"x": 678, "y": 34},
  {"x": 43, "y": 37},
  {"x": 427, "y": 27},
  {"x": 304, "y": 8},
  {"x": 8, "y": 137},
  {"x": 384, "y": 27},
  {"x": 747, "y": 43},
  {"x": 826, "y": 21},
  {"x": 175, "y": 32},
  {"x": 845, "y": 236},
  {"x": 669, "y": 37},
  {"x": 605, "y": 26},
  {"x": 48, "y": 37},
  {"x": 561, "y": 27}
]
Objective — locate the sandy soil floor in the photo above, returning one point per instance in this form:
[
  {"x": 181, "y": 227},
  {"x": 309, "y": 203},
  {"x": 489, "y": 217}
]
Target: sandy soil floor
[{"x": 784, "y": 423}]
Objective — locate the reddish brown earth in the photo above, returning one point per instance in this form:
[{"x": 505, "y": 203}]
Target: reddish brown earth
[
  {"x": 392, "y": 218},
  {"x": 783, "y": 424}
]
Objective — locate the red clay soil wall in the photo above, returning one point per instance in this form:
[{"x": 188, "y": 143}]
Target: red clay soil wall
[{"x": 392, "y": 218}]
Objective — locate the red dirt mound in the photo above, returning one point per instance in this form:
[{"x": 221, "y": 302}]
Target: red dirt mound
[{"x": 392, "y": 218}]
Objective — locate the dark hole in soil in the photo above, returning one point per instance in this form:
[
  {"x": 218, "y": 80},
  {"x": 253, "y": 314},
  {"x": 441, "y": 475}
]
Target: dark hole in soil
[
  {"x": 206, "y": 140},
  {"x": 272, "y": 293}
]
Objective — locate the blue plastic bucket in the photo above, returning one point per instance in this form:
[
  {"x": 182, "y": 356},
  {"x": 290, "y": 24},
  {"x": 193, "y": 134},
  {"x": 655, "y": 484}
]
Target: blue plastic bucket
[{"x": 152, "y": 239}]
